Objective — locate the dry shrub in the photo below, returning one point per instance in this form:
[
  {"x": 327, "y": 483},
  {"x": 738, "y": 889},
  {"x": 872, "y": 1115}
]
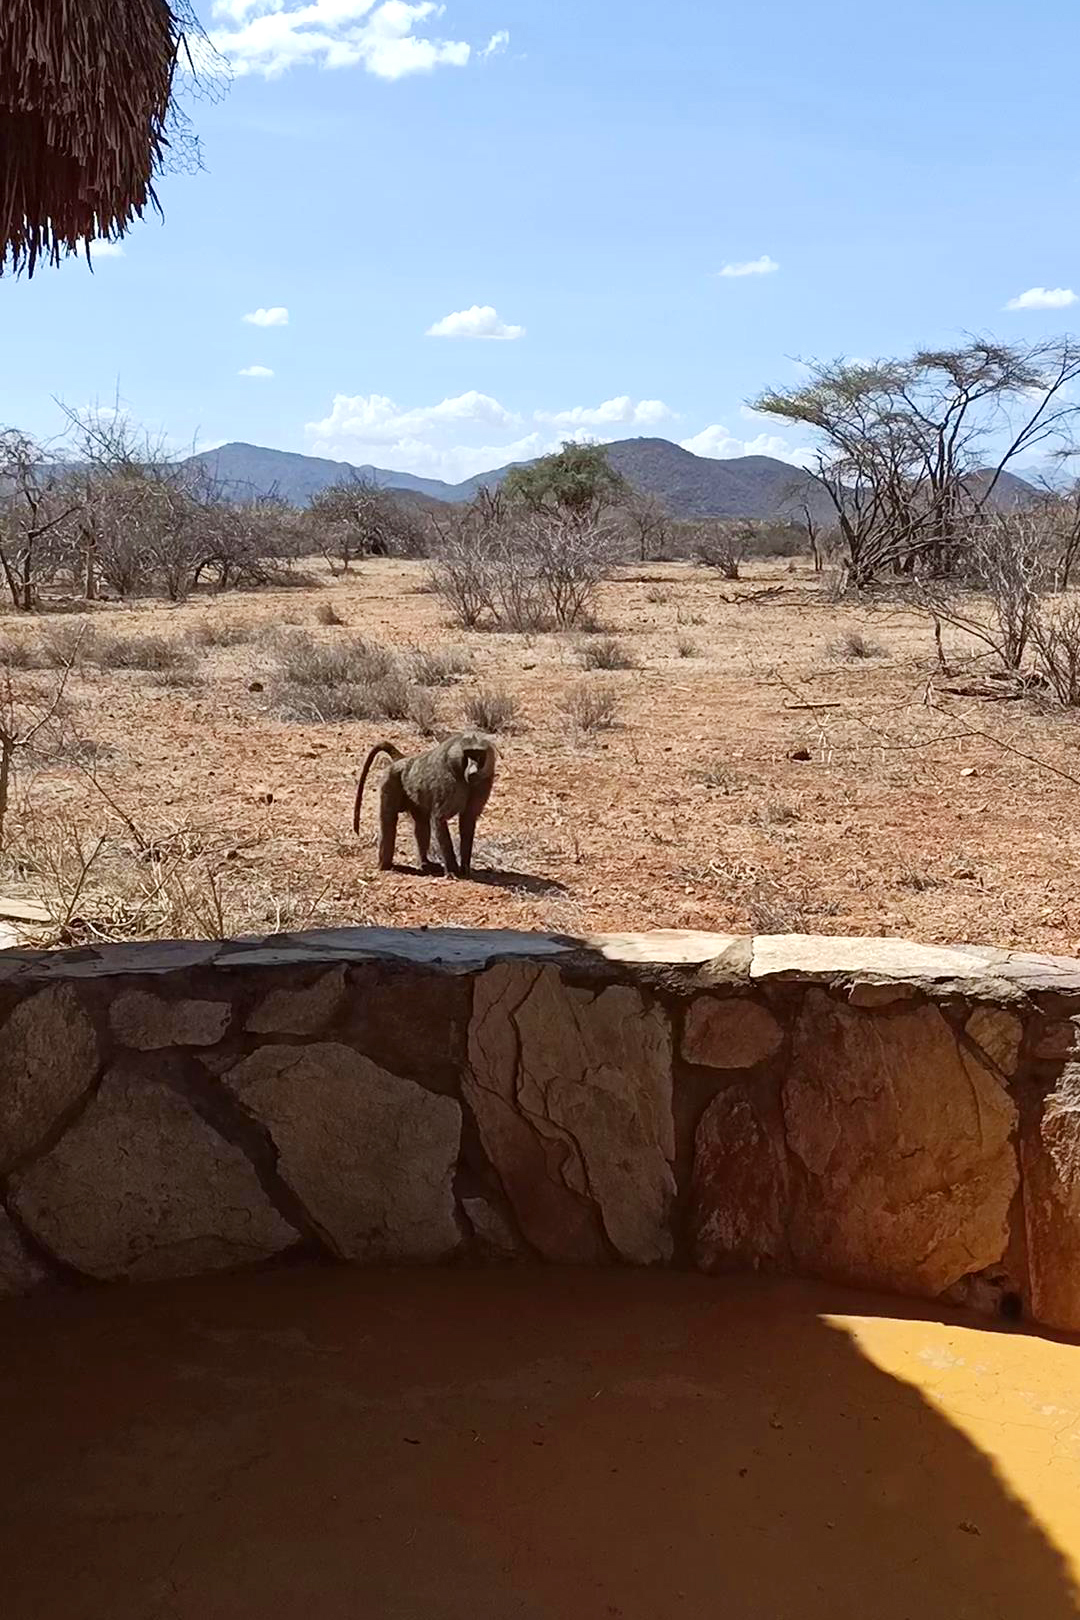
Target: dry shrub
[
  {"x": 687, "y": 647},
  {"x": 221, "y": 633},
  {"x": 492, "y": 708},
  {"x": 147, "y": 652},
  {"x": 500, "y": 568},
  {"x": 338, "y": 680},
  {"x": 424, "y": 712},
  {"x": 685, "y": 615},
  {"x": 385, "y": 697},
  {"x": 67, "y": 644},
  {"x": 1057, "y": 646},
  {"x": 657, "y": 595},
  {"x": 775, "y": 813},
  {"x": 303, "y": 661},
  {"x": 854, "y": 645},
  {"x": 439, "y": 666},
  {"x": 182, "y": 677},
  {"x": 591, "y": 706},
  {"x": 606, "y": 652},
  {"x": 115, "y": 881},
  {"x": 16, "y": 652},
  {"x": 718, "y": 774}
]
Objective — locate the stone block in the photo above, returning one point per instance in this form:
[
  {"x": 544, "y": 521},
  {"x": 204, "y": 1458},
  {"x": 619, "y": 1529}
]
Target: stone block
[
  {"x": 370, "y": 1156},
  {"x": 729, "y": 1033},
  {"x": 1050, "y": 1154},
  {"x": 998, "y": 1032},
  {"x": 302, "y": 1010},
  {"x": 741, "y": 1186},
  {"x": 141, "y": 1187},
  {"x": 571, "y": 1090},
  {"x": 20, "y": 1272},
  {"x": 48, "y": 1060},
  {"x": 904, "y": 1141},
  {"x": 149, "y": 1023}
]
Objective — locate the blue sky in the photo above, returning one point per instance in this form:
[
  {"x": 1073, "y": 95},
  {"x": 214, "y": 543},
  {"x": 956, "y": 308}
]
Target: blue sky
[{"x": 584, "y": 169}]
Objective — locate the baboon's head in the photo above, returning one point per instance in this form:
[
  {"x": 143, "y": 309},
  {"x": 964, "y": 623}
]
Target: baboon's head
[{"x": 477, "y": 755}]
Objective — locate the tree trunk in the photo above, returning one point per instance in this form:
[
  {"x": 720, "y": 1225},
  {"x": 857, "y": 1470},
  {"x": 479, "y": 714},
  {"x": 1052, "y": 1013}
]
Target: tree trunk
[{"x": 7, "y": 748}]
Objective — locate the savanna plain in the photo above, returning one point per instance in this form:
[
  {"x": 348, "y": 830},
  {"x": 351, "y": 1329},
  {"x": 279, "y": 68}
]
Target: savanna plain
[{"x": 737, "y": 756}]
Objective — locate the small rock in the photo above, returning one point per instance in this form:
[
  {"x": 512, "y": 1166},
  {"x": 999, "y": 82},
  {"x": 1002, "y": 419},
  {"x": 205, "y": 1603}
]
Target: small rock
[
  {"x": 964, "y": 872},
  {"x": 255, "y": 686},
  {"x": 802, "y": 755},
  {"x": 969, "y": 770}
]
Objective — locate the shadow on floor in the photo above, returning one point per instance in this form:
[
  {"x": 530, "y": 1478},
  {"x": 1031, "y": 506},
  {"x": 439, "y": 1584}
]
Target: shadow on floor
[{"x": 327, "y": 1444}]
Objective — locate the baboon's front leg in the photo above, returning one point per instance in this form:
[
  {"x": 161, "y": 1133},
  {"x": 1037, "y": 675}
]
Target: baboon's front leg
[
  {"x": 446, "y": 847},
  {"x": 389, "y": 808},
  {"x": 422, "y": 828}
]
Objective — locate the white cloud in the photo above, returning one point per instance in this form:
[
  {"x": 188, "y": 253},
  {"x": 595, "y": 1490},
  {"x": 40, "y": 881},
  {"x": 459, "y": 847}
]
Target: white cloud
[
  {"x": 497, "y": 44},
  {"x": 619, "y": 412},
  {"x": 481, "y": 321},
  {"x": 369, "y": 426},
  {"x": 255, "y": 371},
  {"x": 278, "y": 316},
  {"x": 379, "y": 36},
  {"x": 106, "y": 250},
  {"x": 765, "y": 266},
  {"x": 1044, "y": 298},
  {"x": 719, "y": 444}
]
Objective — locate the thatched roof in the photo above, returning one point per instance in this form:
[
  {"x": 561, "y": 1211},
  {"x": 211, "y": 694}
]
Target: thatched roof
[{"x": 85, "y": 87}]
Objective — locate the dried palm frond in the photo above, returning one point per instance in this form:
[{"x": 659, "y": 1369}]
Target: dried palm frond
[{"x": 85, "y": 93}]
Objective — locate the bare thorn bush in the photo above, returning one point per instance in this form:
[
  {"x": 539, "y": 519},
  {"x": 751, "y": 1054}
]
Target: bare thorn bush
[{"x": 492, "y": 708}]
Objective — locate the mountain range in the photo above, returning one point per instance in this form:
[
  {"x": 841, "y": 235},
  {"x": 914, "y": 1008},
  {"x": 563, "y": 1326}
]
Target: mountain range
[{"x": 690, "y": 486}]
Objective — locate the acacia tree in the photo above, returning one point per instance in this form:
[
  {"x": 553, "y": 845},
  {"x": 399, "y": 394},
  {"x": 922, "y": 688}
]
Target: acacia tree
[
  {"x": 577, "y": 484},
  {"x": 913, "y": 449}
]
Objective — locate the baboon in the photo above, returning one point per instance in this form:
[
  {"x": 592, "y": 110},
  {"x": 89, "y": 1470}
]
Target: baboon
[{"x": 454, "y": 779}]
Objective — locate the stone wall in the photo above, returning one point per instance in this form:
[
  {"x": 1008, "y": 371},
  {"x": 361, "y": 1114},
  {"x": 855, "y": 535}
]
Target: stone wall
[{"x": 886, "y": 1114}]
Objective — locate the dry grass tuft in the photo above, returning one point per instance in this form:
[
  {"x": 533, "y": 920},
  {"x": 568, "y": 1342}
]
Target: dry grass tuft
[{"x": 592, "y": 706}]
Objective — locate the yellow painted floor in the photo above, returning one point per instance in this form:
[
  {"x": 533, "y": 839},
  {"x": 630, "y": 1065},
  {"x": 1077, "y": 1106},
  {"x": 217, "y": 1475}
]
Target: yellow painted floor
[{"x": 341, "y": 1445}]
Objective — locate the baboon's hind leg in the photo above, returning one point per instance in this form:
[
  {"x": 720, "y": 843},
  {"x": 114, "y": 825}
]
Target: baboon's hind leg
[
  {"x": 389, "y": 808},
  {"x": 466, "y": 832},
  {"x": 446, "y": 847}
]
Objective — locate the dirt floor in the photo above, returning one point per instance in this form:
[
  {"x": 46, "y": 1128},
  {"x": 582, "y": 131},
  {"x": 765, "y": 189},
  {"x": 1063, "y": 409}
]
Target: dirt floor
[
  {"x": 757, "y": 777},
  {"x": 320, "y": 1444}
]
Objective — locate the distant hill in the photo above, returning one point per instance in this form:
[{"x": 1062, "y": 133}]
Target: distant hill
[
  {"x": 248, "y": 470},
  {"x": 690, "y": 486}
]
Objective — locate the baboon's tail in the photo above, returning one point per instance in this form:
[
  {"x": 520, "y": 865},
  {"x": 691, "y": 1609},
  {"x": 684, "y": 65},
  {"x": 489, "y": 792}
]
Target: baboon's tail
[{"x": 379, "y": 748}]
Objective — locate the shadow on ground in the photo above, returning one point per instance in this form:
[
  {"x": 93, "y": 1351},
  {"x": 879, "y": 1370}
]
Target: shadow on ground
[{"x": 487, "y": 1446}]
